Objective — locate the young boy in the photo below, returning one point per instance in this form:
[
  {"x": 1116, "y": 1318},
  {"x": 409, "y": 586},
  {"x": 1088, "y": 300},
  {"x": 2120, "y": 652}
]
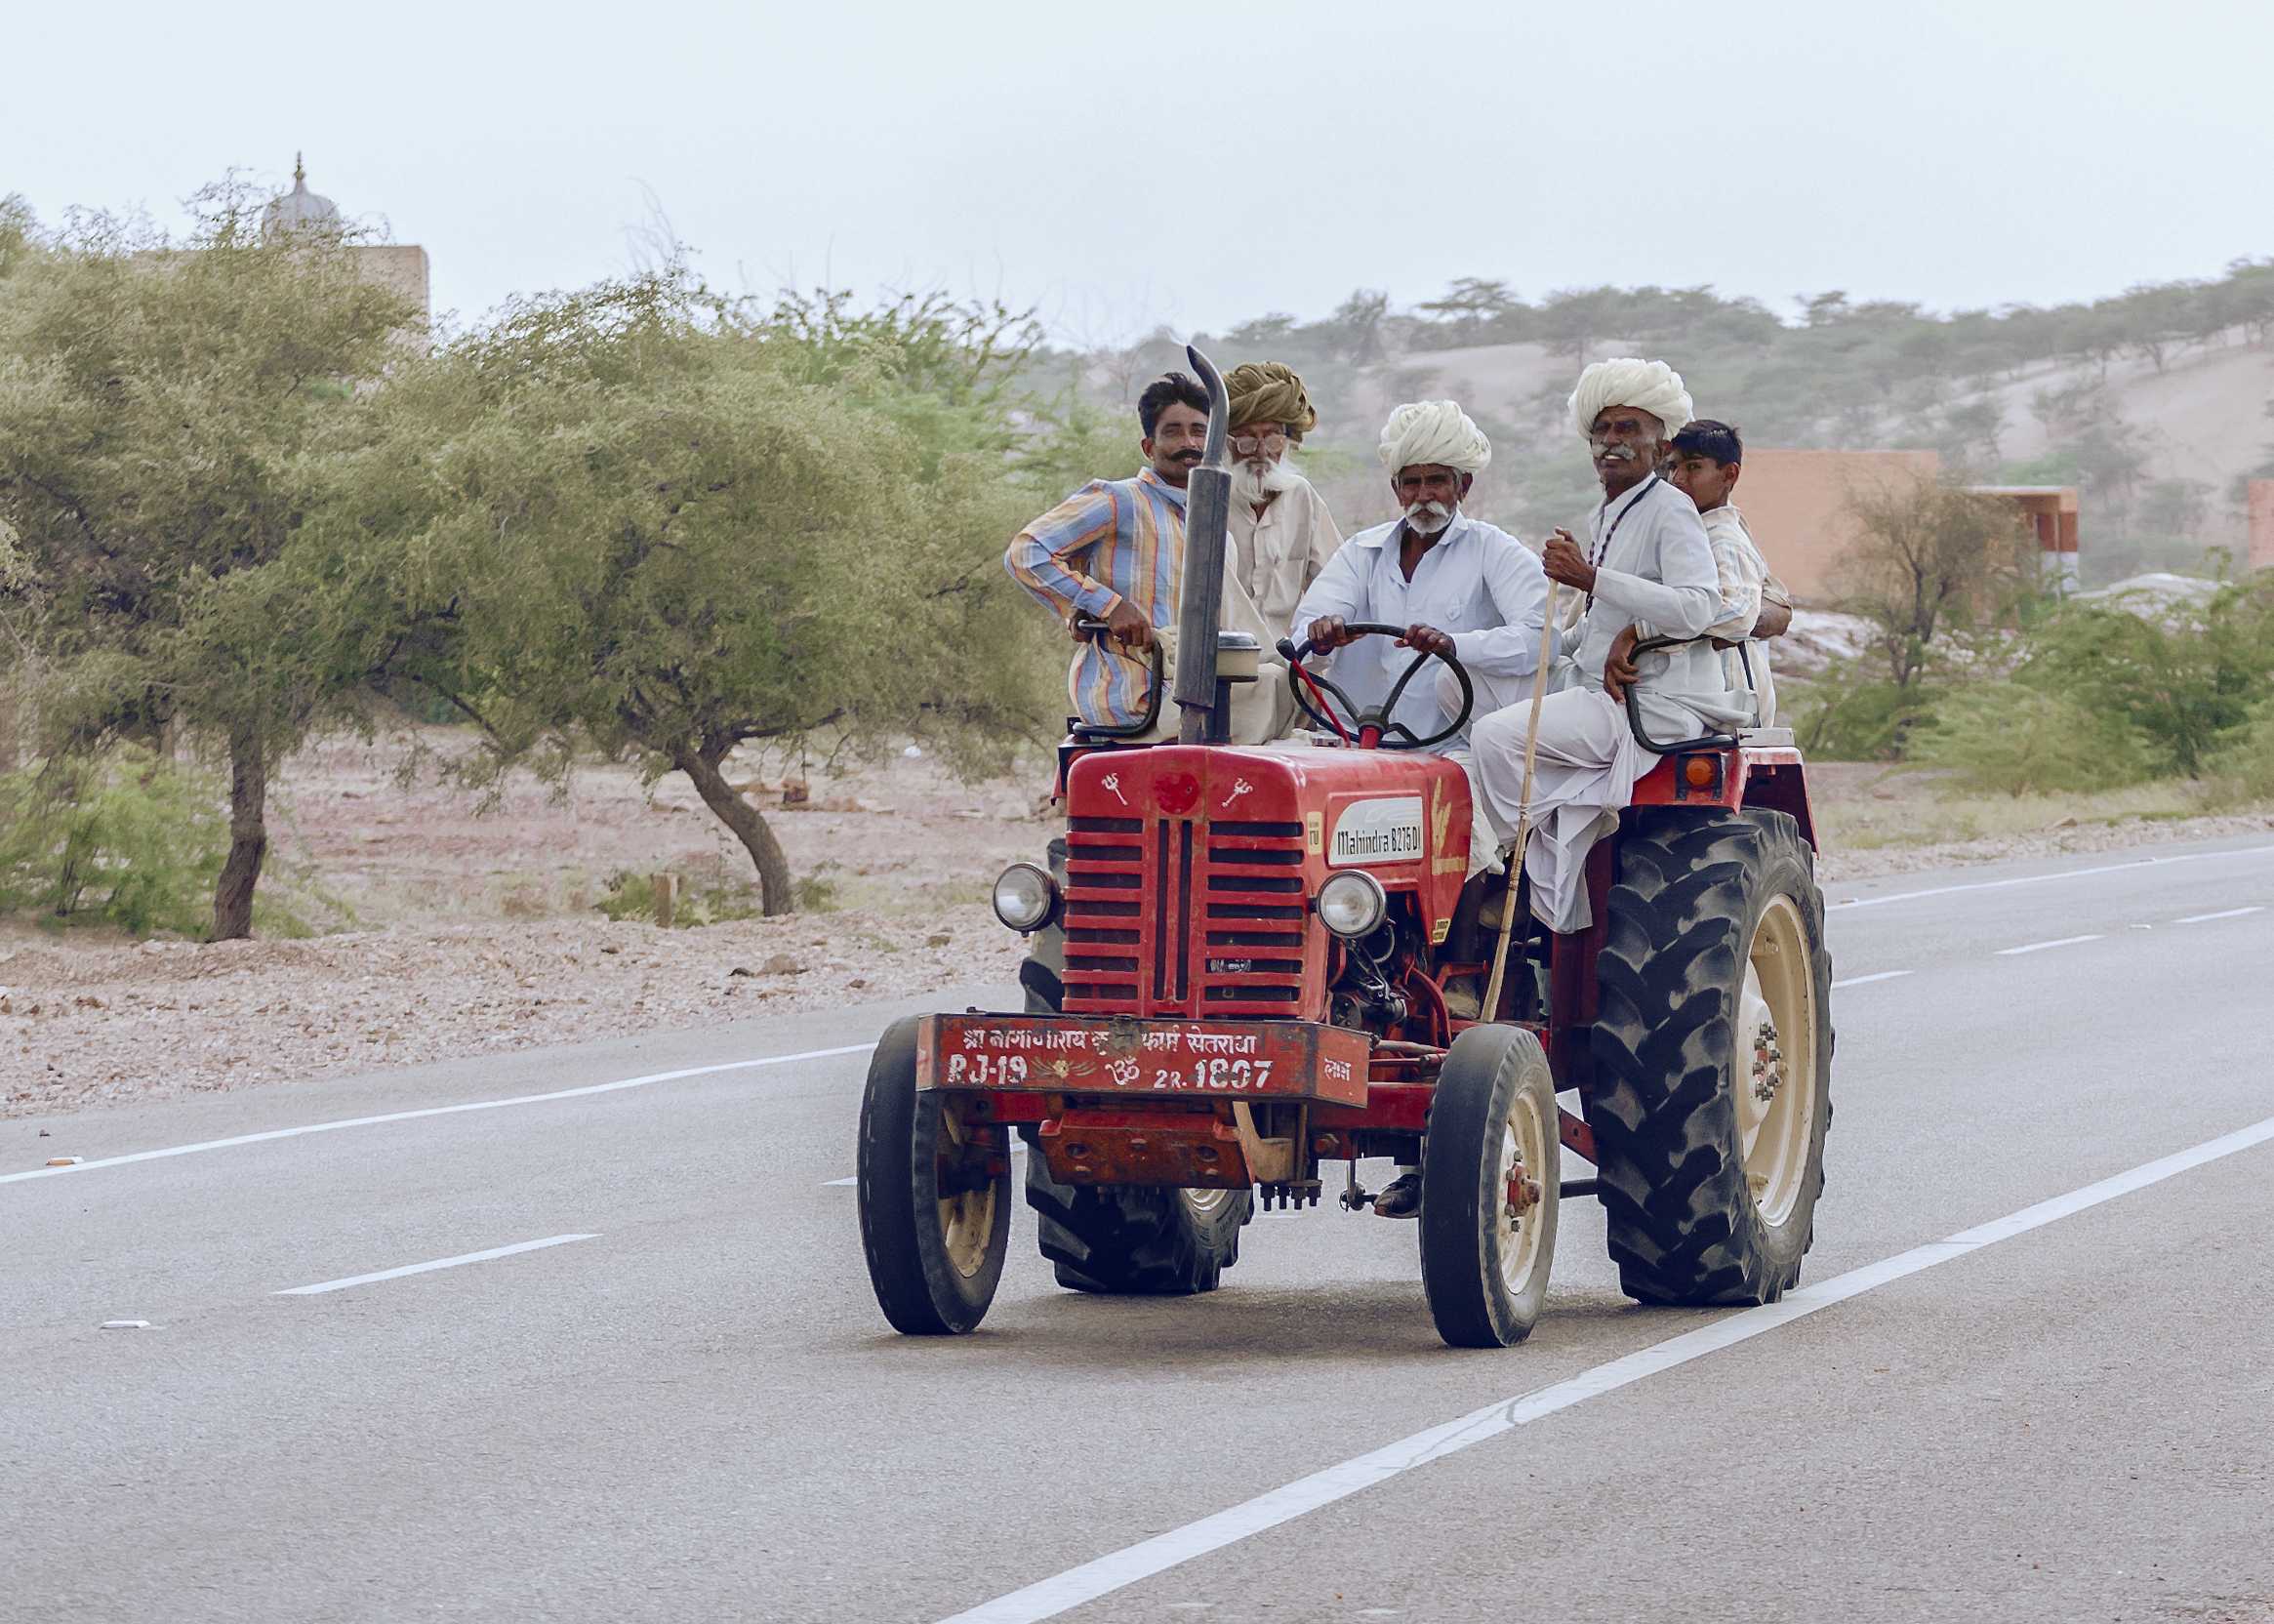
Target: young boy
[{"x": 1708, "y": 457}]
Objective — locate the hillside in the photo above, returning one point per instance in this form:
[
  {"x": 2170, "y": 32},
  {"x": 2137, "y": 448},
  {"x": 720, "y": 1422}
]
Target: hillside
[{"x": 2153, "y": 403}]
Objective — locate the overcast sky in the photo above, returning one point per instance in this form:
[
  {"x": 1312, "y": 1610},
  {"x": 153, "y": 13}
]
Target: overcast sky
[{"x": 1119, "y": 166}]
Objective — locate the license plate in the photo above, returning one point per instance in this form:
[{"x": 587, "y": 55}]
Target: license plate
[{"x": 1074, "y": 1054}]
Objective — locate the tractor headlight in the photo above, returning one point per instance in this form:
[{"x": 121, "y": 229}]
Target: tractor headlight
[
  {"x": 1352, "y": 903},
  {"x": 1026, "y": 898}
]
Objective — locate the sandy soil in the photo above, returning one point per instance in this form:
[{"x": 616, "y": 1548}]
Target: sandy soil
[{"x": 449, "y": 931}]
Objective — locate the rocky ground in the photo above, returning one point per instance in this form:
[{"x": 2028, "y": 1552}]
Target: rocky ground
[{"x": 447, "y": 930}]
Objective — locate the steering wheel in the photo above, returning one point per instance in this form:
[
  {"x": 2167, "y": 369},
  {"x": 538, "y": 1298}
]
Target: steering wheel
[{"x": 1371, "y": 729}]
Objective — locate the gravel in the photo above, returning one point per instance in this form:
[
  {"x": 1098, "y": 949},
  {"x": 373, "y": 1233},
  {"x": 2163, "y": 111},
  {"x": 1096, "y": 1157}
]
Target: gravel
[{"x": 459, "y": 967}]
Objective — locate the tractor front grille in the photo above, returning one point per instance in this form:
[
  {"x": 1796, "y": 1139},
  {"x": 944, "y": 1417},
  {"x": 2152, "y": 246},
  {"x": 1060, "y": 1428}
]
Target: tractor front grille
[
  {"x": 1258, "y": 918},
  {"x": 1178, "y": 916}
]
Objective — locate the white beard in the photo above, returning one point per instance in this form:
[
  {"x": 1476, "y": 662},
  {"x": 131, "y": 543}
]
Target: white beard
[
  {"x": 1427, "y": 518},
  {"x": 1258, "y": 482}
]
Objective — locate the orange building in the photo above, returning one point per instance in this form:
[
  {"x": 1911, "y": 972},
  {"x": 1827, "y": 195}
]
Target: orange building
[
  {"x": 2261, "y": 554},
  {"x": 1797, "y": 506},
  {"x": 1795, "y": 503},
  {"x": 2050, "y": 512}
]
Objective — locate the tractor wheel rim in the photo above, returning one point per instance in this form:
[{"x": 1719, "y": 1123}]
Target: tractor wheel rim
[
  {"x": 967, "y": 1226},
  {"x": 1203, "y": 1204},
  {"x": 1523, "y": 1143},
  {"x": 1774, "y": 1070}
]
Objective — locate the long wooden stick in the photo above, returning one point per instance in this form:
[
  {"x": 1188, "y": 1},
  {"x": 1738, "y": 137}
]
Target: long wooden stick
[{"x": 1514, "y": 862}]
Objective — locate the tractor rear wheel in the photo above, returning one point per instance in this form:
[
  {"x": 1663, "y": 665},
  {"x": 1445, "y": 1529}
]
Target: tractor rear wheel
[
  {"x": 1713, "y": 1056},
  {"x": 1128, "y": 1240},
  {"x": 1490, "y": 1176},
  {"x": 1135, "y": 1240},
  {"x": 935, "y": 1199}
]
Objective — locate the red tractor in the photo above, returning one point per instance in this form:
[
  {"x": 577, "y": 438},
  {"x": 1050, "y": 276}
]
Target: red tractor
[{"x": 1271, "y": 960}]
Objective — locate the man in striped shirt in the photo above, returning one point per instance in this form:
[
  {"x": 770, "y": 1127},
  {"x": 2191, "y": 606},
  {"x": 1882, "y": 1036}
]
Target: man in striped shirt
[{"x": 1116, "y": 550}]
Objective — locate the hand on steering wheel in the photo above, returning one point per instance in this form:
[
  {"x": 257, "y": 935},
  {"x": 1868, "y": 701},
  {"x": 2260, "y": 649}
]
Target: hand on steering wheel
[{"x": 1332, "y": 633}]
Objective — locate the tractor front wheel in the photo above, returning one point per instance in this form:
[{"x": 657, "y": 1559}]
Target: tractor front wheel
[
  {"x": 1490, "y": 1177},
  {"x": 1713, "y": 1056},
  {"x": 935, "y": 1199}
]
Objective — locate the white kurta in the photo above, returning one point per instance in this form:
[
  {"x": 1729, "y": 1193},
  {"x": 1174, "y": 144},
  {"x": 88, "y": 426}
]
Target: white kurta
[
  {"x": 1654, "y": 570},
  {"x": 1744, "y": 581},
  {"x": 1477, "y": 581},
  {"x": 1275, "y": 556}
]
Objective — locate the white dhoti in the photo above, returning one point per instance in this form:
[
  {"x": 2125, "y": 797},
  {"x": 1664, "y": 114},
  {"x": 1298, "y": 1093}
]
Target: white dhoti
[{"x": 1586, "y": 771}]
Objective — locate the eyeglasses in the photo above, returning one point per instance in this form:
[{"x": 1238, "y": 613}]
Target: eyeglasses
[{"x": 1248, "y": 445}]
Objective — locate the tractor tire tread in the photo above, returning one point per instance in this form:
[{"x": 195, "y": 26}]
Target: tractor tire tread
[
  {"x": 1681, "y": 1224},
  {"x": 1131, "y": 1241}
]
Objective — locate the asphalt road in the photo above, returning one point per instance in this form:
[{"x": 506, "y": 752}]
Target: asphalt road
[{"x": 686, "y": 1407}]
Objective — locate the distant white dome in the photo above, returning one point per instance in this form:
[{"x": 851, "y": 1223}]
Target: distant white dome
[{"x": 299, "y": 209}]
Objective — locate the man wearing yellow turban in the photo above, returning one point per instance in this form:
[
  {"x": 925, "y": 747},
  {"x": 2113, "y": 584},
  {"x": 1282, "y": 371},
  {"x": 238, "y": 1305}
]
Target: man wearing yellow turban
[{"x": 1281, "y": 534}]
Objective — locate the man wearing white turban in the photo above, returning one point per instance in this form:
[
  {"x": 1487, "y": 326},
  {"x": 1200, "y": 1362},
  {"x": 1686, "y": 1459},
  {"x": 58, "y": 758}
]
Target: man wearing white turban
[
  {"x": 1459, "y": 585},
  {"x": 1647, "y": 564}
]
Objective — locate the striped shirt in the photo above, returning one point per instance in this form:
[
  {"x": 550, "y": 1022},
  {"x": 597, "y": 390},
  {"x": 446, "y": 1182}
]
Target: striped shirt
[{"x": 1112, "y": 542}]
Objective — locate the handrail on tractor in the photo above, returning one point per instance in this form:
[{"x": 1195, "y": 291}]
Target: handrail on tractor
[
  {"x": 1090, "y": 625},
  {"x": 1659, "y": 747}
]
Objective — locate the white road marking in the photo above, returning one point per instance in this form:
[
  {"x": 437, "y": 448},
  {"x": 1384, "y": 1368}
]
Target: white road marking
[
  {"x": 2040, "y": 947},
  {"x": 439, "y": 1111},
  {"x": 430, "y": 1268},
  {"x": 1053, "y": 1596},
  {"x": 2224, "y": 914},
  {"x": 1859, "y": 981},
  {"x": 2042, "y": 879},
  {"x": 1018, "y": 1148}
]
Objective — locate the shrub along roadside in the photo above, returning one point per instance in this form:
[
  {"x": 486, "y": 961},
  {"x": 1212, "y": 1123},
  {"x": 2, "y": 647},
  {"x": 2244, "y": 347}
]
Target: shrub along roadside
[
  {"x": 2244, "y": 770},
  {"x": 2089, "y": 696},
  {"x": 130, "y": 840},
  {"x": 2012, "y": 739}
]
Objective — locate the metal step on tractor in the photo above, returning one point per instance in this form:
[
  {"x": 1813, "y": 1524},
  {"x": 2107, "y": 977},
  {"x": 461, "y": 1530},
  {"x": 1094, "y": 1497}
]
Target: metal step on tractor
[{"x": 1253, "y": 960}]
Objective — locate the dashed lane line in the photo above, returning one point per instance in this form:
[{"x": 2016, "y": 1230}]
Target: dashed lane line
[
  {"x": 2223, "y": 913},
  {"x": 430, "y": 1268},
  {"x": 1063, "y": 1592},
  {"x": 1862, "y": 981},
  {"x": 2047, "y": 879},
  {"x": 342, "y": 1123},
  {"x": 2057, "y": 941}
]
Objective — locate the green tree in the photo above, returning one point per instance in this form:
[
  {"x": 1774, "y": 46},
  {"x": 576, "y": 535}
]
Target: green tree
[
  {"x": 167, "y": 409},
  {"x": 1930, "y": 560},
  {"x": 1971, "y": 432},
  {"x": 1472, "y": 310},
  {"x": 2176, "y": 506},
  {"x": 623, "y": 519},
  {"x": 1069, "y": 442},
  {"x": 1355, "y": 330},
  {"x": 1572, "y": 319}
]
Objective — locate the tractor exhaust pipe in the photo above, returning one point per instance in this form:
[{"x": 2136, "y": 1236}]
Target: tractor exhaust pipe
[{"x": 1201, "y": 599}]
